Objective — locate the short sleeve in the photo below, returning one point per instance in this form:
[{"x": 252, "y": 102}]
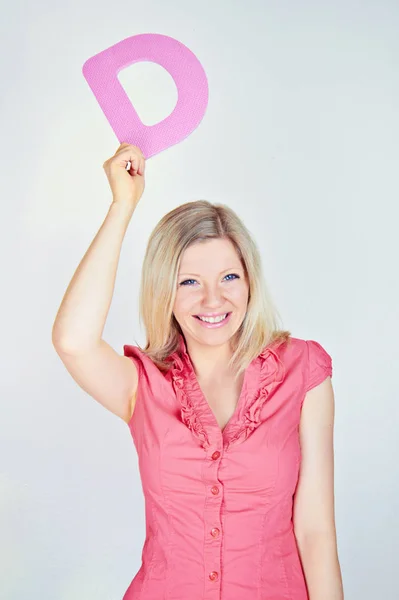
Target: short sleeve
[
  {"x": 319, "y": 364},
  {"x": 147, "y": 370},
  {"x": 135, "y": 356},
  {"x": 151, "y": 382}
]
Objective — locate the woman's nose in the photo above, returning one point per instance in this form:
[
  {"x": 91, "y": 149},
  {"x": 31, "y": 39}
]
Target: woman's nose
[{"x": 212, "y": 297}]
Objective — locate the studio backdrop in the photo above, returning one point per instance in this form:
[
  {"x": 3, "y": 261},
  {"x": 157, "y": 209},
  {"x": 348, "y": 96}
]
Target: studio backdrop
[{"x": 288, "y": 113}]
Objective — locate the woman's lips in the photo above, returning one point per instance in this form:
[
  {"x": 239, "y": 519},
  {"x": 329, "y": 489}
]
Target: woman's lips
[{"x": 214, "y": 325}]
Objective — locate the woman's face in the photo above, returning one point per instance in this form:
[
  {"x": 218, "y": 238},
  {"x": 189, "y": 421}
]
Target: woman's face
[{"x": 211, "y": 281}]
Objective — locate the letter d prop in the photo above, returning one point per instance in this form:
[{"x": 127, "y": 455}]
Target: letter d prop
[{"x": 101, "y": 72}]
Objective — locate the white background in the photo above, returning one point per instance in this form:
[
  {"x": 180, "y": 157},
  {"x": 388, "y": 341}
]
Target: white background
[{"x": 301, "y": 139}]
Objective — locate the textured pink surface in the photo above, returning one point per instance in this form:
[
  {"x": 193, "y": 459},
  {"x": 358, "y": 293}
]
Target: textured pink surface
[
  {"x": 219, "y": 503},
  {"x": 101, "y": 73}
]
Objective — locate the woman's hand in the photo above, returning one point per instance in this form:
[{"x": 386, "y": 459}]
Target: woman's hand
[{"x": 127, "y": 186}]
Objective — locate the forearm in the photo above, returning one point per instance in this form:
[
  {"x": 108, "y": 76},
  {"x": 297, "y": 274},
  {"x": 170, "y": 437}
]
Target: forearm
[
  {"x": 84, "y": 309},
  {"x": 321, "y": 567}
]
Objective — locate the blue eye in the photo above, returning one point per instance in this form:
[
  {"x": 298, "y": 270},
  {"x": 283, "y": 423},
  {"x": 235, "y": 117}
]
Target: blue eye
[
  {"x": 229, "y": 275},
  {"x": 184, "y": 282}
]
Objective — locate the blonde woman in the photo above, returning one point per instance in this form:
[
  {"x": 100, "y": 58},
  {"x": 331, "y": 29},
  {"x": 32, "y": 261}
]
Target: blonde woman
[{"x": 232, "y": 418}]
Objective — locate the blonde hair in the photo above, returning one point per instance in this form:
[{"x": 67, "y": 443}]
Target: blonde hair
[{"x": 188, "y": 224}]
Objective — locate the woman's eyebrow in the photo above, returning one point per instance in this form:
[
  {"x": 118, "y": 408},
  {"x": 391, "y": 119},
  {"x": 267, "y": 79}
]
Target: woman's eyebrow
[{"x": 229, "y": 269}]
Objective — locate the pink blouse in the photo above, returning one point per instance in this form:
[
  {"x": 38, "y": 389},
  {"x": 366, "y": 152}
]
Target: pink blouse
[{"x": 218, "y": 503}]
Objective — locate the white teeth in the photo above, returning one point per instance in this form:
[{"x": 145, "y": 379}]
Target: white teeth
[{"x": 213, "y": 319}]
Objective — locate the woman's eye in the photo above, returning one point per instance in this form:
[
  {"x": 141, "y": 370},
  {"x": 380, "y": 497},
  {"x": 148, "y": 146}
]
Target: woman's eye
[
  {"x": 187, "y": 280},
  {"x": 229, "y": 275}
]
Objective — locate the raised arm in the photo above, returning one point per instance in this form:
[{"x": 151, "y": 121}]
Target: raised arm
[{"x": 107, "y": 376}]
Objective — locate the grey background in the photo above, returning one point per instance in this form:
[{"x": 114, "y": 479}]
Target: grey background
[{"x": 301, "y": 139}]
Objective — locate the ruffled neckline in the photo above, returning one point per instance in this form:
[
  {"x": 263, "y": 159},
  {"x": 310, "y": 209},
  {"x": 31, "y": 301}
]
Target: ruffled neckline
[{"x": 262, "y": 375}]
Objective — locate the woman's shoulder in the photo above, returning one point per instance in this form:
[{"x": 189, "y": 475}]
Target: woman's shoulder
[
  {"x": 143, "y": 362},
  {"x": 152, "y": 368},
  {"x": 315, "y": 360},
  {"x": 304, "y": 347}
]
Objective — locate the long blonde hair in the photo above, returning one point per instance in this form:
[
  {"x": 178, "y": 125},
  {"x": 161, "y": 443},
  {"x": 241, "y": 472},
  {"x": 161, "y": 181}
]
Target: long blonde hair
[{"x": 188, "y": 224}]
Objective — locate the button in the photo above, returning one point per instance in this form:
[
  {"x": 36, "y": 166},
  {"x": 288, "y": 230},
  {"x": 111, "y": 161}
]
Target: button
[
  {"x": 215, "y": 532},
  {"x": 215, "y": 490},
  {"x": 215, "y": 455},
  {"x": 213, "y": 576}
]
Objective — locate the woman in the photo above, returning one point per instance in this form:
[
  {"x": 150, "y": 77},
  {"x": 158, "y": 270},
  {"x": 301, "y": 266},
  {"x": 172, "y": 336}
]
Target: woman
[{"x": 231, "y": 417}]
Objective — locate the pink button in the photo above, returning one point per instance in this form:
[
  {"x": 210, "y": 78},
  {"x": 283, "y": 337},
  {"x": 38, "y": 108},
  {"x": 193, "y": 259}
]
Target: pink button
[
  {"x": 215, "y": 490},
  {"x": 213, "y": 576},
  {"x": 215, "y": 455},
  {"x": 215, "y": 532}
]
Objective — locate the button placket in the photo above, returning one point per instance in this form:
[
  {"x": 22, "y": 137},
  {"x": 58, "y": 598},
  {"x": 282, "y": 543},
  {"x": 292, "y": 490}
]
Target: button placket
[{"x": 212, "y": 546}]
